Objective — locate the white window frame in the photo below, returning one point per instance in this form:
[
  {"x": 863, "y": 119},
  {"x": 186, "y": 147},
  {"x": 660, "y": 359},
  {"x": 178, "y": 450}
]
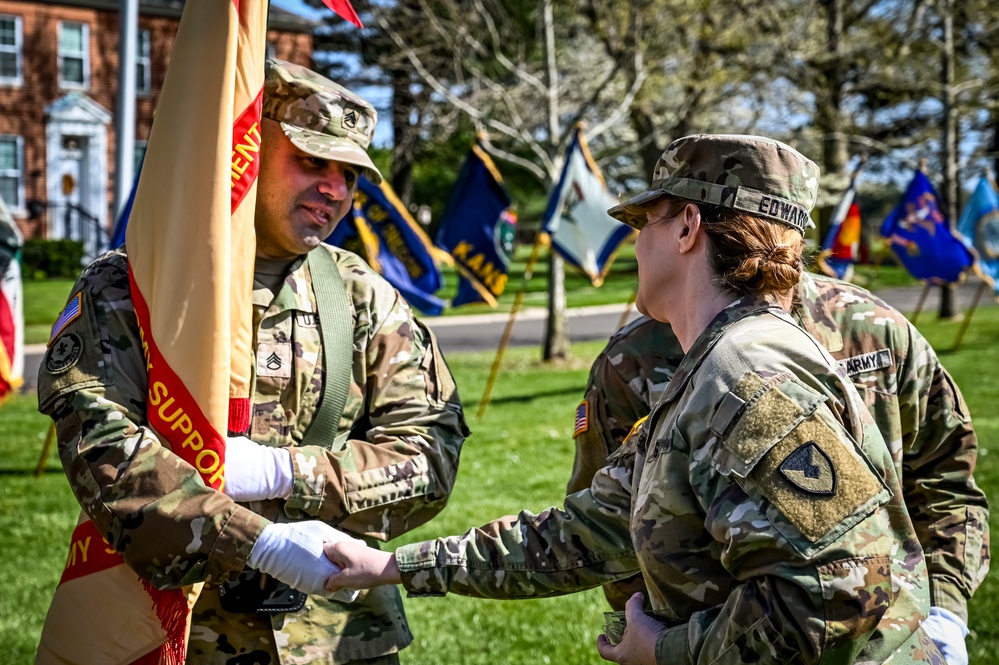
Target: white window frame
[
  {"x": 17, "y": 49},
  {"x": 143, "y": 60},
  {"x": 17, "y": 173},
  {"x": 85, "y": 55}
]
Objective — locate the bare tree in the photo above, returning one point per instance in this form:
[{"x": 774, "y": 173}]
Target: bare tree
[{"x": 525, "y": 80}]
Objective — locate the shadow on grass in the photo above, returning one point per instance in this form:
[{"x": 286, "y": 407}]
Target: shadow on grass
[
  {"x": 467, "y": 404},
  {"x": 29, "y": 472}
]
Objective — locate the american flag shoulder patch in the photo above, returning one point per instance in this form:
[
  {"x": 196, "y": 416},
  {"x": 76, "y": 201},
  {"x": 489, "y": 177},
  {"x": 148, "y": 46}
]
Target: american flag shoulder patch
[
  {"x": 69, "y": 314},
  {"x": 582, "y": 419}
]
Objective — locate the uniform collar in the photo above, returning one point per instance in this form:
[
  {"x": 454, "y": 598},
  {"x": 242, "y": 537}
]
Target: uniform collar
[
  {"x": 744, "y": 307},
  {"x": 295, "y": 293},
  {"x": 814, "y": 311}
]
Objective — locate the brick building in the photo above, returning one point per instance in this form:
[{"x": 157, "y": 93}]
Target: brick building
[{"x": 58, "y": 96}]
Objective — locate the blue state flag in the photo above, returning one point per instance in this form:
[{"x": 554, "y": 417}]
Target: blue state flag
[
  {"x": 393, "y": 244},
  {"x": 577, "y": 221},
  {"x": 918, "y": 234},
  {"x": 478, "y": 230},
  {"x": 979, "y": 225}
]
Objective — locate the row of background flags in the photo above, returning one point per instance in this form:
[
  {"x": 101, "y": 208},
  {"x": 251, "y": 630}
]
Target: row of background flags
[
  {"x": 918, "y": 234},
  {"x": 477, "y": 230}
]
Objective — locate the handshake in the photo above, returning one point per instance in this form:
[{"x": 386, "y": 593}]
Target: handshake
[{"x": 312, "y": 556}]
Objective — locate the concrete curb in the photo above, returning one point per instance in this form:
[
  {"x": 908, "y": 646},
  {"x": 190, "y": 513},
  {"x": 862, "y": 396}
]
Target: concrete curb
[{"x": 528, "y": 314}]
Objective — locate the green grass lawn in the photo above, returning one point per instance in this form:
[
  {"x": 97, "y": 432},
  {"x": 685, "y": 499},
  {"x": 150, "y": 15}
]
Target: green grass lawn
[
  {"x": 43, "y": 300},
  {"x": 518, "y": 457}
]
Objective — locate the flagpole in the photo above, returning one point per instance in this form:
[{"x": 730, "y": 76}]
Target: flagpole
[
  {"x": 967, "y": 319},
  {"x": 540, "y": 241},
  {"x": 919, "y": 305},
  {"x": 46, "y": 447},
  {"x": 627, "y": 309}
]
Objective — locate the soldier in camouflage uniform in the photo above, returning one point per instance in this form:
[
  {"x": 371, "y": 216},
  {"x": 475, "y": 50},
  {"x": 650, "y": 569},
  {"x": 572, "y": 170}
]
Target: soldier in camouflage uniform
[
  {"x": 912, "y": 398},
  {"x": 402, "y": 413},
  {"x": 759, "y": 500}
]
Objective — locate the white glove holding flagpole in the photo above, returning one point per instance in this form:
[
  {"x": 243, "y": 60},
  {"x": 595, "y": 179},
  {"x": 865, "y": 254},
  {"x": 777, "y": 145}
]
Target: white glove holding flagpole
[
  {"x": 254, "y": 472},
  {"x": 947, "y": 631},
  {"x": 293, "y": 554}
]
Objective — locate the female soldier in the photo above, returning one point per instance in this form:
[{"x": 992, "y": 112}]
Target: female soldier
[{"x": 758, "y": 499}]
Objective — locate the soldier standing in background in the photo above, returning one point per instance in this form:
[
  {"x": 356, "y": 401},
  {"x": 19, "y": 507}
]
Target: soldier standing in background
[
  {"x": 385, "y": 464},
  {"x": 913, "y": 400}
]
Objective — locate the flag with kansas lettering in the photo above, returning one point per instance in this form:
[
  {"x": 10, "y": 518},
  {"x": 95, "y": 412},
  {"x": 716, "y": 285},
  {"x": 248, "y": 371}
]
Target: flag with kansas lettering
[
  {"x": 393, "y": 244},
  {"x": 577, "y": 220},
  {"x": 478, "y": 230},
  {"x": 979, "y": 225},
  {"x": 841, "y": 248},
  {"x": 11, "y": 305},
  {"x": 919, "y": 236},
  {"x": 191, "y": 245}
]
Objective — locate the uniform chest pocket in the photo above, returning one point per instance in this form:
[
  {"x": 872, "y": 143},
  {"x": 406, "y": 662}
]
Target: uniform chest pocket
[{"x": 787, "y": 452}]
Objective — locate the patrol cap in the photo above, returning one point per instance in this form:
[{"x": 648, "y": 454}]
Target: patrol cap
[
  {"x": 319, "y": 116},
  {"x": 754, "y": 174}
]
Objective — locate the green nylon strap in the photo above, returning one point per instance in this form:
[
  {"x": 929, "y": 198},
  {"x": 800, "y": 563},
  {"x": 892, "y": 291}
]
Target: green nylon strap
[{"x": 336, "y": 331}]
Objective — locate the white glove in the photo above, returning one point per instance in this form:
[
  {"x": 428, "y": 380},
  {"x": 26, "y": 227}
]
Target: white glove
[
  {"x": 947, "y": 631},
  {"x": 254, "y": 472},
  {"x": 293, "y": 553}
]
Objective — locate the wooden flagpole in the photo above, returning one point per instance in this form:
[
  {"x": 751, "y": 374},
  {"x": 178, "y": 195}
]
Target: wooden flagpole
[
  {"x": 541, "y": 241},
  {"x": 967, "y": 317},
  {"x": 919, "y": 305},
  {"x": 627, "y": 310},
  {"x": 46, "y": 447}
]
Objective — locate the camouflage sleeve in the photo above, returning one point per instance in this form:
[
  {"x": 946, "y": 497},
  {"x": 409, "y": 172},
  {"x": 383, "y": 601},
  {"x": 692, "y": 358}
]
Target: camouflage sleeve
[
  {"x": 400, "y": 474},
  {"x": 585, "y": 544},
  {"x": 949, "y": 511},
  {"x": 609, "y": 410},
  {"x": 149, "y": 504}
]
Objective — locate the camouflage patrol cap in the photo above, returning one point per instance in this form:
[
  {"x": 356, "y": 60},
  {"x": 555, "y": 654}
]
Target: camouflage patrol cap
[
  {"x": 756, "y": 175},
  {"x": 319, "y": 116}
]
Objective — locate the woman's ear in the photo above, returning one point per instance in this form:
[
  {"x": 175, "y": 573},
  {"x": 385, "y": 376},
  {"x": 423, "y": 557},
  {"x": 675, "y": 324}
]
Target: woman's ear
[{"x": 689, "y": 228}]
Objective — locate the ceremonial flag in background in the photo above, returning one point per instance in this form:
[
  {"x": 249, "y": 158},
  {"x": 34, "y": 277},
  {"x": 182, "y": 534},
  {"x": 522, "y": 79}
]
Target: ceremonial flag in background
[
  {"x": 190, "y": 254},
  {"x": 577, "y": 220},
  {"x": 842, "y": 246},
  {"x": 478, "y": 230},
  {"x": 393, "y": 244},
  {"x": 11, "y": 305},
  {"x": 979, "y": 225},
  {"x": 919, "y": 236},
  {"x": 345, "y": 10},
  {"x": 118, "y": 236}
]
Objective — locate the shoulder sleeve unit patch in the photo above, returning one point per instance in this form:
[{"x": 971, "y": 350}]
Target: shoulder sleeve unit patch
[
  {"x": 791, "y": 455},
  {"x": 582, "y": 419}
]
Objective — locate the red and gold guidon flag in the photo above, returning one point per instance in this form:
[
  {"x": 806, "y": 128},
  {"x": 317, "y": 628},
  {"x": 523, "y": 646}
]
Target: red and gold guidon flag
[
  {"x": 191, "y": 249},
  {"x": 11, "y": 316}
]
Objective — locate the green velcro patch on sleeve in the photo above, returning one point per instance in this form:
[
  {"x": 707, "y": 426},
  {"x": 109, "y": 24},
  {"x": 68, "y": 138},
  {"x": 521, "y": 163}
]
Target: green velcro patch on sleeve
[
  {"x": 817, "y": 480},
  {"x": 767, "y": 417}
]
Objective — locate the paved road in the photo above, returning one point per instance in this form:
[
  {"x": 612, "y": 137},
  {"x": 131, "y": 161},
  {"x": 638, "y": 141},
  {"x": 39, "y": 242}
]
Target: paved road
[{"x": 483, "y": 332}]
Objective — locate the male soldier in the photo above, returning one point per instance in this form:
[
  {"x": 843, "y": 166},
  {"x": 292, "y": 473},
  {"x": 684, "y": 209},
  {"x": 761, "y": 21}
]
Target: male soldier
[
  {"x": 389, "y": 468},
  {"x": 913, "y": 399}
]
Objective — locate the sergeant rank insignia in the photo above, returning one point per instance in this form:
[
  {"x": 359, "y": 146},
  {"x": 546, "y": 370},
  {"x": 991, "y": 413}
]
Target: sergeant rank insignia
[{"x": 809, "y": 469}]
